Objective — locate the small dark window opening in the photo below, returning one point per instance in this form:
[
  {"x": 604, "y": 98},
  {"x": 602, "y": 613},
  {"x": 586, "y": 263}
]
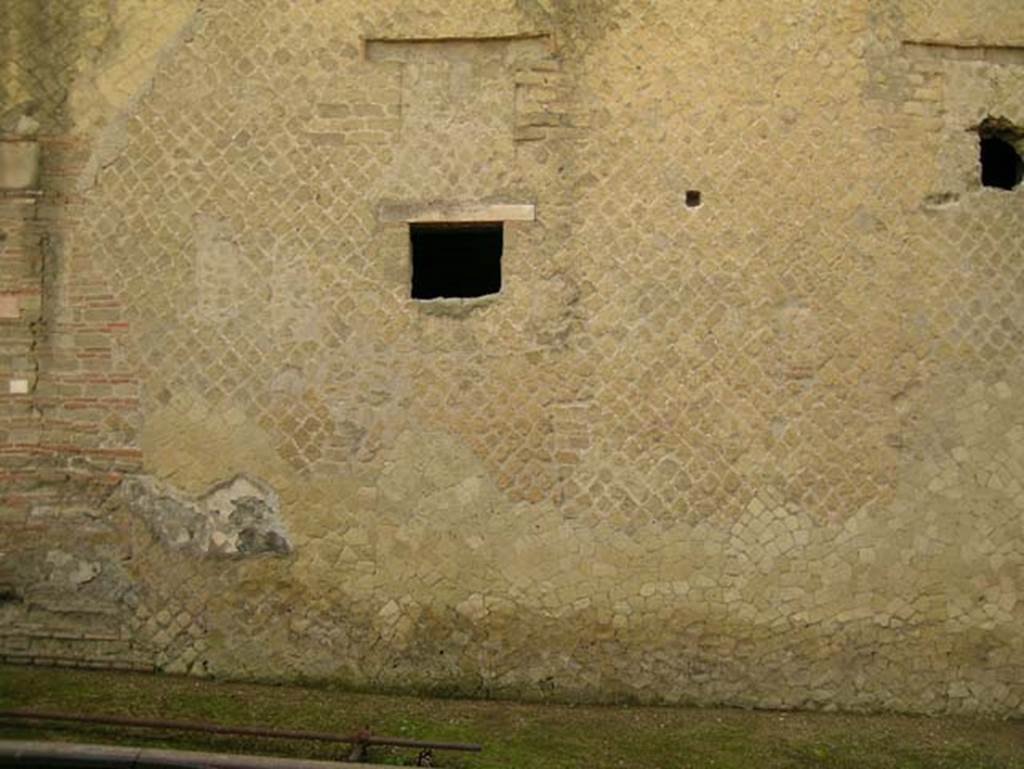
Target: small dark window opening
[
  {"x": 456, "y": 259},
  {"x": 1001, "y": 164},
  {"x": 692, "y": 198}
]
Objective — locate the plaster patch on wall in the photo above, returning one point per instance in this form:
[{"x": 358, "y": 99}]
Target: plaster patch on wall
[
  {"x": 141, "y": 31},
  {"x": 294, "y": 312},
  {"x": 19, "y": 165},
  {"x": 448, "y": 483},
  {"x": 226, "y": 278},
  {"x": 236, "y": 518},
  {"x": 118, "y": 74},
  {"x": 68, "y": 570}
]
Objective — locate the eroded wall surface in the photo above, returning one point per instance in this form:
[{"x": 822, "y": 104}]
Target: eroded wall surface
[{"x": 767, "y": 450}]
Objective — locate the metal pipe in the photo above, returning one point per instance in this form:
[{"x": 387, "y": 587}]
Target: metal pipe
[
  {"x": 247, "y": 731},
  {"x": 62, "y": 755}
]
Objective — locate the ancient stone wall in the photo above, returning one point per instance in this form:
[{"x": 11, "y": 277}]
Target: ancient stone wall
[{"x": 743, "y": 425}]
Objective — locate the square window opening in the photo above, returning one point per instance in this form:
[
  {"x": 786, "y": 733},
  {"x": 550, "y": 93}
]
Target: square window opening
[
  {"x": 453, "y": 260},
  {"x": 1000, "y": 158}
]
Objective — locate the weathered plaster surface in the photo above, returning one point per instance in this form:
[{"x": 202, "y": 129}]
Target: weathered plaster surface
[
  {"x": 768, "y": 451},
  {"x": 236, "y": 518}
]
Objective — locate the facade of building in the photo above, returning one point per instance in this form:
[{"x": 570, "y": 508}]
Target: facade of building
[{"x": 606, "y": 350}]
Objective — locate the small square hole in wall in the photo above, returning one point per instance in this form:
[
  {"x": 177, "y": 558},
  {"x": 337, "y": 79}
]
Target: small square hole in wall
[
  {"x": 454, "y": 259},
  {"x": 1000, "y": 160}
]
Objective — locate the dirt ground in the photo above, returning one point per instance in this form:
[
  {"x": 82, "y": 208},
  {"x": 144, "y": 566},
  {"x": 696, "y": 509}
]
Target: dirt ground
[{"x": 519, "y": 735}]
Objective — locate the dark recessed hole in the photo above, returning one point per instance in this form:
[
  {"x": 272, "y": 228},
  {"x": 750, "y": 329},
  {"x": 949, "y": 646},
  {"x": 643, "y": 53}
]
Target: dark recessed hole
[
  {"x": 692, "y": 198},
  {"x": 1001, "y": 165},
  {"x": 455, "y": 259}
]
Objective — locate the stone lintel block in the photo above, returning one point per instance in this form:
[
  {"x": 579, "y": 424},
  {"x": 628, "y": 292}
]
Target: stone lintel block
[
  {"x": 414, "y": 213},
  {"x": 19, "y": 165}
]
